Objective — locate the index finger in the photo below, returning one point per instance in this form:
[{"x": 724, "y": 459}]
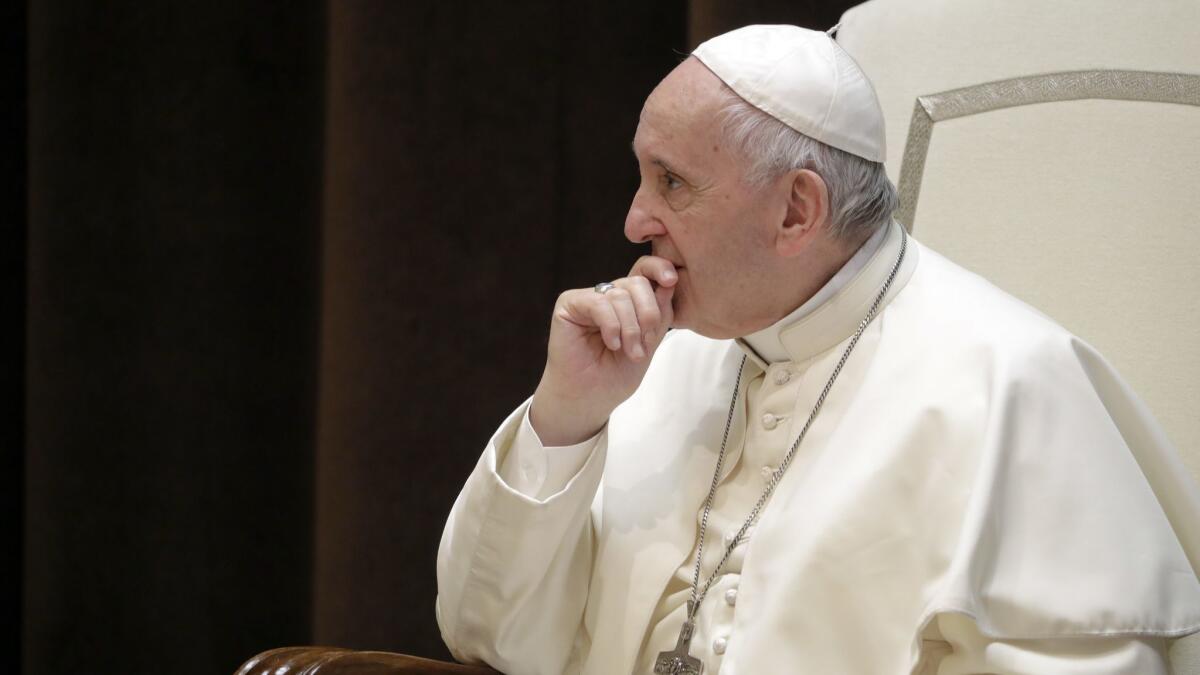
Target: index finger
[{"x": 659, "y": 270}]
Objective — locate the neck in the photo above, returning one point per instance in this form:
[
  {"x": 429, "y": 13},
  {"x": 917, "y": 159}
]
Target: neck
[
  {"x": 841, "y": 268},
  {"x": 809, "y": 275}
]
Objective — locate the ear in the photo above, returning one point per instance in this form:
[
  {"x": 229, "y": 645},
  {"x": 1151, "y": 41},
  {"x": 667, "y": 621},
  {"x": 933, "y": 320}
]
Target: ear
[{"x": 806, "y": 215}]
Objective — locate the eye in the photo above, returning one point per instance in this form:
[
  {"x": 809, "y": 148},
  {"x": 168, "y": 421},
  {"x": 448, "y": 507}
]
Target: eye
[{"x": 671, "y": 182}]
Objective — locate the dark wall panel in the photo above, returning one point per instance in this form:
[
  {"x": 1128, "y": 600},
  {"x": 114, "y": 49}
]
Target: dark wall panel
[
  {"x": 478, "y": 157},
  {"x": 175, "y": 153},
  {"x": 440, "y": 189},
  {"x": 617, "y": 53},
  {"x": 707, "y": 18}
]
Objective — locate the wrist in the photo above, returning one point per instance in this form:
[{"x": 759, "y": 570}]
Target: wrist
[{"x": 560, "y": 422}]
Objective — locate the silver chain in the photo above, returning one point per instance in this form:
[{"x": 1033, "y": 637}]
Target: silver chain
[{"x": 777, "y": 475}]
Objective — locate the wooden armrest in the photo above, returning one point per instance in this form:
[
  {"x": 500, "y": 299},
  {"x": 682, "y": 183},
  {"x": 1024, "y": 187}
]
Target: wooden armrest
[{"x": 334, "y": 661}]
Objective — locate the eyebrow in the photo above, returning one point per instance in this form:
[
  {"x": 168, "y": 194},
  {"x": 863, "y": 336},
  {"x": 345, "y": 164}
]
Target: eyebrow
[
  {"x": 661, "y": 163},
  {"x": 666, "y": 168}
]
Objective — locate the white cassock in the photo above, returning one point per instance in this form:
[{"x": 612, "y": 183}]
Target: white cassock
[{"x": 981, "y": 493}]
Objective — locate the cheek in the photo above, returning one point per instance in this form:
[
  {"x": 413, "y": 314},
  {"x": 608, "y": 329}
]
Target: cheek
[
  {"x": 701, "y": 288},
  {"x": 682, "y": 286}
]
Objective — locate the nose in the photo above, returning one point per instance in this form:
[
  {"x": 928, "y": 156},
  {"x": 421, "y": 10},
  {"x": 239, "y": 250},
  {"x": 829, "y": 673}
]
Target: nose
[{"x": 640, "y": 223}]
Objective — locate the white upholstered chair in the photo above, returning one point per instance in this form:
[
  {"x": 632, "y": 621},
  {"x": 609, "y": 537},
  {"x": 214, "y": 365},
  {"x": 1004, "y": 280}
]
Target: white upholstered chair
[{"x": 1054, "y": 148}]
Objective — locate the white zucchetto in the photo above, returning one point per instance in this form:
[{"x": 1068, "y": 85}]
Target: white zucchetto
[{"x": 805, "y": 80}]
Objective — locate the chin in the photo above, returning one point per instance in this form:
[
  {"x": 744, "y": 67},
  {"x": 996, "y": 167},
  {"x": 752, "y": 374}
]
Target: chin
[
  {"x": 686, "y": 318},
  {"x": 682, "y": 313},
  {"x": 685, "y": 321},
  {"x": 715, "y": 333}
]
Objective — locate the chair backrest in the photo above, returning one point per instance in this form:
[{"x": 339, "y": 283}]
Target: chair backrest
[{"x": 1054, "y": 148}]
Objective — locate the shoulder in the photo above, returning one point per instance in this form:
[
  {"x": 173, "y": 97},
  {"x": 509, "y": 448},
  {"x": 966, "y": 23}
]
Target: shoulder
[
  {"x": 959, "y": 314},
  {"x": 1066, "y": 534}
]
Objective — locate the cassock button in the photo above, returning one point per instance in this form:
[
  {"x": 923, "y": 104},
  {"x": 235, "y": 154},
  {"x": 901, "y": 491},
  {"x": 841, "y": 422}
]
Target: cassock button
[
  {"x": 731, "y": 597},
  {"x": 782, "y": 377},
  {"x": 719, "y": 645},
  {"x": 767, "y": 471},
  {"x": 769, "y": 421}
]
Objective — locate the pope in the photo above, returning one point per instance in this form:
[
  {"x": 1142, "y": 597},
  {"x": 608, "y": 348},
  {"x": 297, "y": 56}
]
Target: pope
[{"x": 794, "y": 439}]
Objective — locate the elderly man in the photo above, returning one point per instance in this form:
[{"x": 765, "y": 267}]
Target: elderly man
[{"x": 850, "y": 456}]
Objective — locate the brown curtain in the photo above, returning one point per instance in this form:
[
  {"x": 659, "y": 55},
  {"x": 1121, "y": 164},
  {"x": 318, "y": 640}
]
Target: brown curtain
[
  {"x": 289, "y": 264},
  {"x": 13, "y": 232},
  {"x": 174, "y": 212}
]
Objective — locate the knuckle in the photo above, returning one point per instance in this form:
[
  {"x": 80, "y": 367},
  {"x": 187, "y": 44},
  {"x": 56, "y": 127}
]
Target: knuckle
[{"x": 574, "y": 296}]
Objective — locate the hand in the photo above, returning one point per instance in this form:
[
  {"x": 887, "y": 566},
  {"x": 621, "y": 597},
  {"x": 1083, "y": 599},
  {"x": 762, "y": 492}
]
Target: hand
[{"x": 600, "y": 348}]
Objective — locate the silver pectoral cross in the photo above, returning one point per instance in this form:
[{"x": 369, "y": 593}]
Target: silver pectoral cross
[{"x": 678, "y": 661}]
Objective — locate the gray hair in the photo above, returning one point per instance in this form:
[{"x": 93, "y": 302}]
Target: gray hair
[{"x": 861, "y": 197}]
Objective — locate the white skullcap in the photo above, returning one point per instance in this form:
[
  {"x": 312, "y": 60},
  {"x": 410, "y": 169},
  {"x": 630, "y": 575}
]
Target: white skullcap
[{"x": 805, "y": 80}]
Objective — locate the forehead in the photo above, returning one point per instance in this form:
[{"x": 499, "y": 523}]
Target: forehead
[{"x": 681, "y": 114}]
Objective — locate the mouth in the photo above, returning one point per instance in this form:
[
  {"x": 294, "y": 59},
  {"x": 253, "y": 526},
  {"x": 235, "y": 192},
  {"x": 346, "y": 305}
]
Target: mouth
[{"x": 658, "y": 253}]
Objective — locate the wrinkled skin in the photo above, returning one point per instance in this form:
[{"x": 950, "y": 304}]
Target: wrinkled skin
[{"x": 727, "y": 259}]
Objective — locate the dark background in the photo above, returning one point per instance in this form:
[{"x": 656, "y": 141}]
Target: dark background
[{"x": 277, "y": 271}]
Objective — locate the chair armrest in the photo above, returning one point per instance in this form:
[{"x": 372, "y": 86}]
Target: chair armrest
[{"x": 334, "y": 661}]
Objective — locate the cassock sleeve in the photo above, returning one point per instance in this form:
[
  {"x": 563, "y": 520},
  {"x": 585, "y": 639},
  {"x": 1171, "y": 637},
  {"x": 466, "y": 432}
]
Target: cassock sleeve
[
  {"x": 515, "y": 558},
  {"x": 975, "y": 653}
]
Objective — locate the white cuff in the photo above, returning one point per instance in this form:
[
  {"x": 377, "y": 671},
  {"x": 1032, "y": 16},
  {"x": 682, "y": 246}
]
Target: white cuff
[{"x": 538, "y": 471}]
